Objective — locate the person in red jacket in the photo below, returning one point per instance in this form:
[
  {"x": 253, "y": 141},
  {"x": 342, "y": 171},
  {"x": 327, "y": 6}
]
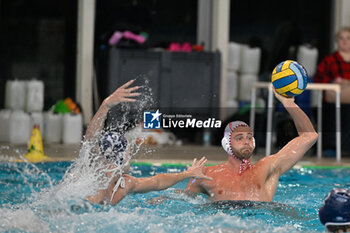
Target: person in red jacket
[{"x": 335, "y": 68}]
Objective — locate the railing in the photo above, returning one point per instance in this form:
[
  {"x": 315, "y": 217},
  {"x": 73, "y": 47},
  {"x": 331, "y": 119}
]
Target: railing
[{"x": 320, "y": 87}]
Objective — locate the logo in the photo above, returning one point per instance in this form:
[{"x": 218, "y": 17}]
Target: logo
[
  {"x": 151, "y": 120},
  {"x": 157, "y": 120}
]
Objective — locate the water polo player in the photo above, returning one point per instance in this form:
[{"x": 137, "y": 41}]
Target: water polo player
[
  {"x": 114, "y": 151},
  {"x": 335, "y": 212},
  {"x": 237, "y": 179},
  {"x": 113, "y": 146}
]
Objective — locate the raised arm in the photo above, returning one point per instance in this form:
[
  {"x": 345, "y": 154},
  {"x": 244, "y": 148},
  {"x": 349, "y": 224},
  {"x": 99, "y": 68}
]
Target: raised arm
[
  {"x": 164, "y": 181},
  {"x": 122, "y": 94},
  {"x": 291, "y": 153}
]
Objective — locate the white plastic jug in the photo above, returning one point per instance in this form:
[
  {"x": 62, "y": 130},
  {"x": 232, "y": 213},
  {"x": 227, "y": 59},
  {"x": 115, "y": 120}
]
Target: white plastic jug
[
  {"x": 250, "y": 60},
  {"x": 15, "y": 95},
  {"x": 232, "y": 86},
  {"x": 246, "y": 82},
  {"x": 232, "y": 107},
  {"x": 72, "y": 128},
  {"x": 52, "y": 127},
  {"x": 20, "y": 127},
  {"x": 234, "y": 56},
  {"x": 307, "y": 56},
  {"x": 35, "y": 96},
  {"x": 5, "y": 115}
]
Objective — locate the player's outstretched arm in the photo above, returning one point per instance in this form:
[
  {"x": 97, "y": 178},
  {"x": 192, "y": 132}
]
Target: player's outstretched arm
[
  {"x": 164, "y": 181},
  {"x": 122, "y": 94},
  {"x": 291, "y": 153}
]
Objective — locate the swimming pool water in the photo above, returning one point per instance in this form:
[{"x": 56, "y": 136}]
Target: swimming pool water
[{"x": 24, "y": 207}]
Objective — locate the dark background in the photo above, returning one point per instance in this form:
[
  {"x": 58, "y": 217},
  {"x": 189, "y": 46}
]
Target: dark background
[{"x": 38, "y": 37}]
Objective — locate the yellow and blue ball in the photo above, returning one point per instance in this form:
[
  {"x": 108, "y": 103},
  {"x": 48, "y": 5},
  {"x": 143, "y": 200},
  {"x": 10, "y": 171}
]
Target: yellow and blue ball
[{"x": 289, "y": 78}]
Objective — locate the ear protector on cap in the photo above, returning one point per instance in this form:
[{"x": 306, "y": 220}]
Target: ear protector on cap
[{"x": 226, "y": 145}]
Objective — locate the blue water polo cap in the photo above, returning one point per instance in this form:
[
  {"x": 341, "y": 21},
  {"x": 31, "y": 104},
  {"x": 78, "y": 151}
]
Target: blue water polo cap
[
  {"x": 112, "y": 145},
  {"x": 336, "y": 208}
]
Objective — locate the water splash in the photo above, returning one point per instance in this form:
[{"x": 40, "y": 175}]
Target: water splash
[
  {"x": 61, "y": 206},
  {"x": 87, "y": 174},
  {"x": 178, "y": 213}
]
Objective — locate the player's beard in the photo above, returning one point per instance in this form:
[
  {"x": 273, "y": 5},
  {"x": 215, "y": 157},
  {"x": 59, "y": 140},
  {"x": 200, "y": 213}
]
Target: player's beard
[{"x": 245, "y": 153}]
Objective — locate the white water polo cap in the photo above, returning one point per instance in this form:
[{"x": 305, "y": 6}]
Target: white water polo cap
[{"x": 226, "y": 140}]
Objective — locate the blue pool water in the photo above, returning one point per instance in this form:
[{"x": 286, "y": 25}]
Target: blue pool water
[{"x": 28, "y": 203}]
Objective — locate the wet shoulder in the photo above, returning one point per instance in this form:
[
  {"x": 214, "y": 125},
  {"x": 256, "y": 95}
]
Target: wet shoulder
[
  {"x": 265, "y": 163},
  {"x": 214, "y": 168}
]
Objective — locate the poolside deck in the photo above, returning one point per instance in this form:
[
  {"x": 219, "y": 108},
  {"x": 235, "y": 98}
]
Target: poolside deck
[{"x": 161, "y": 154}]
